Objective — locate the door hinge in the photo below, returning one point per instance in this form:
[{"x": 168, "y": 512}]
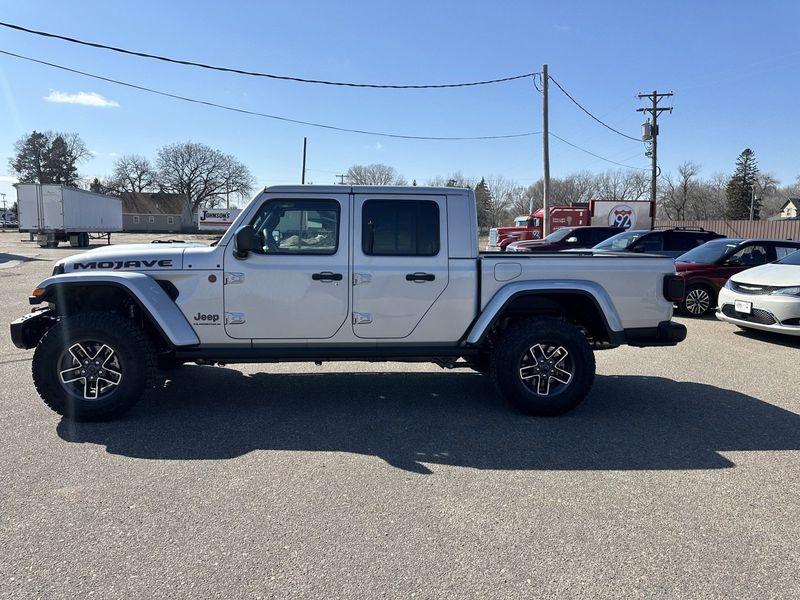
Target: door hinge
[
  {"x": 234, "y": 318},
  {"x": 362, "y": 318},
  {"x": 234, "y": 278},
  {"x": 362, "y": 278}
]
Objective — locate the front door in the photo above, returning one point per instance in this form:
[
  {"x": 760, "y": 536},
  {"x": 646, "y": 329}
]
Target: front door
[
  {"x": 297, "y": 285},
  {"x": 400, "y": 262}
]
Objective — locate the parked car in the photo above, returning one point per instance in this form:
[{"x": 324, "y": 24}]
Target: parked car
[
  {"x": 665, "y": 242},
  {"x": 765, "y": 297},
  {"x": 706, "y": 268},
  {"x": 565, "y": 238}
]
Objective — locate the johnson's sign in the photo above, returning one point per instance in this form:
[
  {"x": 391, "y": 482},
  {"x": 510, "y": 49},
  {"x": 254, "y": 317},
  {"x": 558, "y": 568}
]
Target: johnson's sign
[{"x": 216, "y": 219}]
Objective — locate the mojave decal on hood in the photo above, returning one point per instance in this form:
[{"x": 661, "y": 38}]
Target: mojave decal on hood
[{"x": 129, "y": 257}]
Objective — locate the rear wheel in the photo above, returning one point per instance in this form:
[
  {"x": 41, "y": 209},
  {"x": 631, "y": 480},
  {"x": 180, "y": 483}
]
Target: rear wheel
[
  {"x": 93, "y": 366},
  {"x": 544, "y": 366},
  {"x": 698, "y": 301}
]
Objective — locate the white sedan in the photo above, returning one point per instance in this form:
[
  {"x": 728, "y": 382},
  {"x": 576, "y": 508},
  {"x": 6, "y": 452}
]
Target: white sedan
[{"x": 765, "y": 297}]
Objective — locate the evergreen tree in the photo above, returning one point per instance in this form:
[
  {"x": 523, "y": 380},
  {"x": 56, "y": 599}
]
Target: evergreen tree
[
  {"x": 483, "y": 200},
  {"x": 97, "y": 186},
  {"x": 47, "y": 157},
  {"x": 740, "y": 188}
]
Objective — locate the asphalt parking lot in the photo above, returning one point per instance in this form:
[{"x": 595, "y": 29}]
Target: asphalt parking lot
[{"x": 678, "y": 477}]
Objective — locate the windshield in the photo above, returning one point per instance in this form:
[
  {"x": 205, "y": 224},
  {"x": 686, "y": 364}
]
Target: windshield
[
  {"x": 709, "y": 252},
  {"x": 620, "y": 241},
  {"x": 558, "y": 234},
  {"x": 791, "y": 259}
]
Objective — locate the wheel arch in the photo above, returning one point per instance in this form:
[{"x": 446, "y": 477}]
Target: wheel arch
[
  {"x": 584, "y": 302},
  {"x": 75, "y": 293}
]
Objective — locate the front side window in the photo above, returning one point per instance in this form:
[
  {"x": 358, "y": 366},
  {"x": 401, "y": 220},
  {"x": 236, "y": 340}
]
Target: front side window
[
  {"x": 620, "y": 241},
  {"x": 298, "y": 226},
  {"x": 749, "y": 256},
  {"x": 651, "y": 243},
  {"x": 400, "y": 228}
]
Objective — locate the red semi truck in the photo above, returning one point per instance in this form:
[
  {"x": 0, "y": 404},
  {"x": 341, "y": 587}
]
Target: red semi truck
[{"x": 596, "y": 212}]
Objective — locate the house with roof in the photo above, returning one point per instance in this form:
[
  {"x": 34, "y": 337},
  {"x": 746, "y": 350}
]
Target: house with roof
[
  {"x": 791, "y": 210},
  {"x": 156, "y": 212}
]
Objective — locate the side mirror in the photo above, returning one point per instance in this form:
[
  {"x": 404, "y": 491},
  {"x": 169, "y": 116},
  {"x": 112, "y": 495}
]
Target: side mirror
[
  {"x": 247, "y": 240},
  {"x": 572, "y": 240}
]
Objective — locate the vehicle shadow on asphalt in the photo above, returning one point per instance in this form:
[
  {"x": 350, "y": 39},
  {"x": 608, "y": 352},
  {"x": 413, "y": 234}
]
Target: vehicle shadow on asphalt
[
  {"x": 5, "y": 257},
  {"x": 779, "y": 339},
  {"x": 412, "y": 419}
]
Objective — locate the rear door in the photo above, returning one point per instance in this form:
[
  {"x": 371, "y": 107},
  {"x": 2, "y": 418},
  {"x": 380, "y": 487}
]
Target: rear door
[{"x": 400, "y": 262}]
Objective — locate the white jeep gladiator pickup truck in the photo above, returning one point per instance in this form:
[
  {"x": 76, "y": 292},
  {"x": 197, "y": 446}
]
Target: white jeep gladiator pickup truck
[{"x": 312, "y": 273}]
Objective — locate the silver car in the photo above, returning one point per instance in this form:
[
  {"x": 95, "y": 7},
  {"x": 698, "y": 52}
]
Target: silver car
[{"x": 765, "y": 297}]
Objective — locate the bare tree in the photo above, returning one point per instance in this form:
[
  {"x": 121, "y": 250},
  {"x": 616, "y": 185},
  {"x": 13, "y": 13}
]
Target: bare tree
[
  {"x": 201, "y": 173},
  {"x": 503, "y": 193},
  {"x": 623, "y": 185},
  {"x": 457, "y": 179},
  {"x": 237, "y": 179},
  {"x": 133, "y": 173},
  {"x": 679, "y": 194},
  {"x": 376, "y": 174},
  {"x": 771, "y": 195}
]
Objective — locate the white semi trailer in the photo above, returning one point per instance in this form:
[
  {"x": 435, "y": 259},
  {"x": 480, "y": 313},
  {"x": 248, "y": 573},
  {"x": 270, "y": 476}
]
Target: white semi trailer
[{"x": 57, "y": 213}]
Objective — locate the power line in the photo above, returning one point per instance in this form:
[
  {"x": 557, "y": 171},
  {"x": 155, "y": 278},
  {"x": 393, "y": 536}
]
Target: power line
[
  {"x": 596, "y": 155},
  {"x": 257, "y": 73},
  {"x": 579, "y": 105},
  {"x": 269, "y": 116}
]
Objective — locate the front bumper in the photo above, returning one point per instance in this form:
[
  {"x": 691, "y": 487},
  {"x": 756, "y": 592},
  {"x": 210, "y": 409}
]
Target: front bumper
[
  {"x": 778, "y": 314},
  {"x": 29, "y": 329}
]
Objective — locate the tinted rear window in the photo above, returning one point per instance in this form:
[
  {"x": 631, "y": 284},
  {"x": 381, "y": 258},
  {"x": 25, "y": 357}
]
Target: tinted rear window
[{"x": 400, "y": 228}]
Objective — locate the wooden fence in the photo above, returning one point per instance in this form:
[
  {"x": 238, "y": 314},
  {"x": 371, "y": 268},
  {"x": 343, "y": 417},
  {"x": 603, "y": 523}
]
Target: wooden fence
[{"x": 774, "y": 230}]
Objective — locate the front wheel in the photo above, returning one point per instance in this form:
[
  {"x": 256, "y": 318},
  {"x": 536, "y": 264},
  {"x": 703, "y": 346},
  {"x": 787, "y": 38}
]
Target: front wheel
[
  {"x": 544, "y": 366},
  {"x": 93, "y": 366}
]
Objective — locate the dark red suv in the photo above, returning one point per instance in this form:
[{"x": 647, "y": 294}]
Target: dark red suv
[
  {"x": 567, "y": 237},
  {"x": 706, "y": 268}
]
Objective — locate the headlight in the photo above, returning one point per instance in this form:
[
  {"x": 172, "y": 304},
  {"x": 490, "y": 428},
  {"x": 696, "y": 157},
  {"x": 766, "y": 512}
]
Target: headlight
[
  {"x": 787, "y": 291},
  {"x": 729, "y": 284}
]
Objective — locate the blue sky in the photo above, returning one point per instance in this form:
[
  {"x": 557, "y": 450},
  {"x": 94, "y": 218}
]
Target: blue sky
[{"x": 733, "y": 67}]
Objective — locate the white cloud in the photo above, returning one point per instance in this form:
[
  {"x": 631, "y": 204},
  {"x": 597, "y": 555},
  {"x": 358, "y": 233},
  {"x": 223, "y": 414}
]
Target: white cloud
[
  {"x": 113, "y": 154},
  {"x": 8, "y": 179},
  {"x": 378, "y": 146},
  {"x": 83, "y": 98}
]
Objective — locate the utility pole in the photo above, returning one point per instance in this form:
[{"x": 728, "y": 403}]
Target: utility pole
[
  {"x": 305, "y": 146},
  {"x": 4, "y": 210},
  {"x": 341, "y": 179},
  {"x": 650, "y": 133},
  {"x": 546, "y": 152}
]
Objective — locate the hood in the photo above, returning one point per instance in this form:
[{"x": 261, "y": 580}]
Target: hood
[
  {"x": 771, "y": 275},
  {"x": 127, "y": 257}
]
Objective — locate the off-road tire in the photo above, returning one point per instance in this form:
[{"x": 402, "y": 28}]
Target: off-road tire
[
  {"x": 532, "y": 357},
  {"x": 132, "y": 356},
  {"x": 698, "y": 301}
]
